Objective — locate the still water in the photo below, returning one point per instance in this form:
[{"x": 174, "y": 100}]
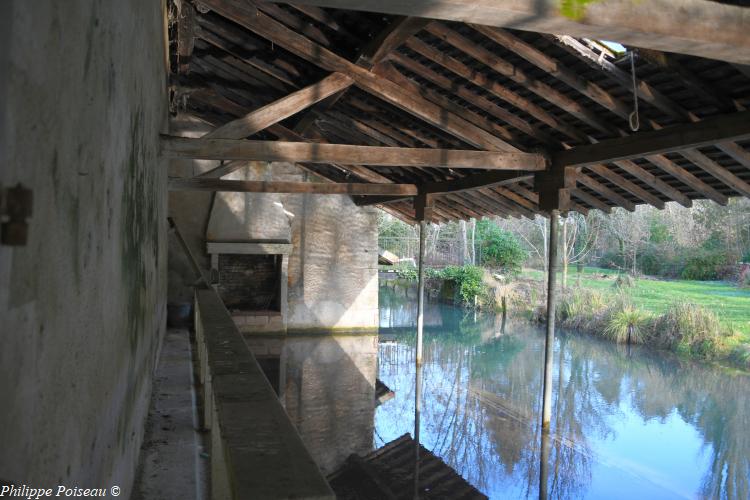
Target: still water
[{"x": 625, "y": 423}]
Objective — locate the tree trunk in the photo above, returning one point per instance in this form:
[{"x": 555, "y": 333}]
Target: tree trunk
[
  {"x": 565, "y": 253},
  {"x": 462, "y": 242}
]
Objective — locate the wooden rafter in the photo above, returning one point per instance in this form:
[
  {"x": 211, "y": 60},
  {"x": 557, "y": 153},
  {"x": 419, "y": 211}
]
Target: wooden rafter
[
  {"x": 231, "y": 149},
  {"x": 730, "y": 127},
  {"x": 360, "y": 189},
  {"x": 285, "y": 107},
  {"x": 265, "y": 26}
]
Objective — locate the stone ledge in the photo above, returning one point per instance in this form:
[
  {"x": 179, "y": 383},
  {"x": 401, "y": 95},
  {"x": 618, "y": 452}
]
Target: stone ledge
[{"x": 256, "y": 451}]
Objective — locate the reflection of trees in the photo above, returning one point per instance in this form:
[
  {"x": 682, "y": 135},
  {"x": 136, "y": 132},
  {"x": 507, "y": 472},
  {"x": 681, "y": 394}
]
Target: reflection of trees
[{"x": 481, "y": 406}]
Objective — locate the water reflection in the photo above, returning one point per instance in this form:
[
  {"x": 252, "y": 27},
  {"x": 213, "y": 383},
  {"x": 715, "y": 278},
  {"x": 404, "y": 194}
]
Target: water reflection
[
  {"x": 624, "y": 425},
  {"x": 327, "y": 385}
]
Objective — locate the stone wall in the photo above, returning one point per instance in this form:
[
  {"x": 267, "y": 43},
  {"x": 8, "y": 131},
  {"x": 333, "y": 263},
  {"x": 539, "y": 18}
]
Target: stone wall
[
  {"x": 82, "y": 96},
  {"x": 332, "y": 273}
]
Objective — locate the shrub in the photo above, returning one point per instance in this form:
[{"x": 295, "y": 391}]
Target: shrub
[
  {"x": 626, "y": 325},
  {"x": 703, "y": 265},
  {"x": 468, "y": 280},
  {"x": 624, "y": 281},
  {"x": 407, "y": 272},
  {"x": 582, "y": 309},
  {"x": 689, "y": 329},
  {"x": 500, "y": 248}
]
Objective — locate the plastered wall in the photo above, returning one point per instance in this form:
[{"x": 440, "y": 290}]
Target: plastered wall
[{"x": 82, "y": 305}]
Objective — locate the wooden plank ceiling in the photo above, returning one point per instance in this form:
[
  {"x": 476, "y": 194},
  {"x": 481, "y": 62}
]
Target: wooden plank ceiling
[{"x": 389, "y": 81}]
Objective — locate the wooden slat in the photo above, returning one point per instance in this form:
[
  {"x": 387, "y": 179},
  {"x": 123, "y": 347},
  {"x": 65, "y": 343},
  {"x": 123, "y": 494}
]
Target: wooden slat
[
  {"x": 487, "y": 179},
  {"x": 285, "y": 107},
  {"x": 225, "y": 168},
  {"x": 605, "y": 192},
  {"x": 519, "y": 76},
  {"x": 362, "y": 189},
  {"x": 279, "y": 34},
  {"x": 706, "y": 29},
  {"x": 627, "y": 185},
  {"x": 590, "y": 200},
  {"x": 492, "y": 86},
  {"x": 226, "y": 149},
  {"x": 668, "y": 106},
  {"x": 653, "y": 181}
]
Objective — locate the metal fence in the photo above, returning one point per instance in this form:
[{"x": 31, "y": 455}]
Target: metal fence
[{"x": 438, "y": 253}]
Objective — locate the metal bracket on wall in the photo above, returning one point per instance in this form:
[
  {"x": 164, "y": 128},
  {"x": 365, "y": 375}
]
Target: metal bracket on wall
[{"x": 16, "y": 204}]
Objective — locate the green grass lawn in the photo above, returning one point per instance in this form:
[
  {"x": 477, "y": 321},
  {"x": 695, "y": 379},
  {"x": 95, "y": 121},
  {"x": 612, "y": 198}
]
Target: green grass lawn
[{"x": 731, "y": 303}]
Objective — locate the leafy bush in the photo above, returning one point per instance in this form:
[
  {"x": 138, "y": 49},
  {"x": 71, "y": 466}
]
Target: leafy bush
[
  {"x": 500, "y": 248},
  {"x": 407, "y": 272},
  {"x": 703, "y": 265},
  {"x": 468, "y": 280}
]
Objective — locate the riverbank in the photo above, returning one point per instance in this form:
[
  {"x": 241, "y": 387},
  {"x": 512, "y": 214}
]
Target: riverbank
[
  {"x": 704, "y": 320},
  {"x": 709, "y": 321}
]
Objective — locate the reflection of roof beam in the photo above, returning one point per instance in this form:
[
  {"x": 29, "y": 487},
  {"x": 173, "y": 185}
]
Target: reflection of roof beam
[
  {"x": 228, "y": 149},
  {"x": 707, "y": 132},
  {"x": 365, "y": 189},
  {"x": 698, "y": 27}
]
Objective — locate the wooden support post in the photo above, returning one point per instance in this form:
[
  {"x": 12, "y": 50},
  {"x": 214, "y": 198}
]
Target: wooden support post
[
  {"x": 544, "y": 465},
  {"x": 549, "y": 340},
  {"x": 423, "y": 206}
]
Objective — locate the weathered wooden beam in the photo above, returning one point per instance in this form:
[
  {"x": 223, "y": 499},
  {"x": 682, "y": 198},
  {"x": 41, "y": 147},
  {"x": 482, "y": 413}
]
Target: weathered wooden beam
[
  {"x": 364, "y": 201},
  {"x": 485, "y": 179},
  {"x": 285, "y": 107},
  {"x": 225, "y": 149},
  {"x": 627, "y": 185},
  {"x": 707, "y": 132},
  {"x": 647, "y": 177},
  {"x": 698, "y": 27},
  {"x": 590, "y": 200},
  {"x": 606, "y": 192},
  {"x": 389, "y": 71},
  {"x": 186, "y": 25},
  {"x": 362, "y": 189},
  {"x": 388, "y": 40},
  {"x": 518, "y": 75},
  {"x": 491, "y": 85},
  {"x": 265, "y": 26},
  {"x": 224, "y": 169}
]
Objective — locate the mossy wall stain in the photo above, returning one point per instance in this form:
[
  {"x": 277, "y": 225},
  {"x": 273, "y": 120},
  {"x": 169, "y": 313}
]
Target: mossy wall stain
[
  {"x": 139, "y": 233},
  {"x": 575, "y": 9}
]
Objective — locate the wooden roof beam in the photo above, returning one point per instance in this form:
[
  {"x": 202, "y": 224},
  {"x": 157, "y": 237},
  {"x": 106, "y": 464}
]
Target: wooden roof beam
[
  {"x": 697, "y": 27},
  {"x": 648, "y": 93},
  {"x": 226, "y": 149},
  {"x": 720, "y": 128},
  {"x": 277, "y": 111},
  {"x": 361, "y": 189},
  {"x": 388, "y": 40},
  {"x": 254, "y": 20}
]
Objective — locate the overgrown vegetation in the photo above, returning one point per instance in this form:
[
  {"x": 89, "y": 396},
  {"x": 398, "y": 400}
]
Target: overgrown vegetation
[
  {"x": 501, "y": 249},
  {"x": 683, "y": 327},
  {"x": 468, "y": 280}
]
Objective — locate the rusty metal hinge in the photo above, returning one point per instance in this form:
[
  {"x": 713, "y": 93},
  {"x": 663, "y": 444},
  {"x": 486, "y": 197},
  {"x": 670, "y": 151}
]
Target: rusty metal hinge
[{"x": 16, "y": 205}]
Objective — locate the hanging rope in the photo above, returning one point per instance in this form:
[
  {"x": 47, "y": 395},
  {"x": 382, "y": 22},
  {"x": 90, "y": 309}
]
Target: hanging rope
[{"x": 633, "y": 118}]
